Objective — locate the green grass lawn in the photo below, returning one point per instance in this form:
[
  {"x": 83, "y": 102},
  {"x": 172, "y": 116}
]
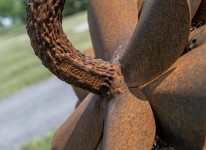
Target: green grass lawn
[
  {"x": 39, "y": 144},
  {"x": 19, "y": 67}
]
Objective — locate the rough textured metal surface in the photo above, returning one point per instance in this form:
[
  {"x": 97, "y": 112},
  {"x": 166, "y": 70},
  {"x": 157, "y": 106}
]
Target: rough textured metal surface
[
  {"x": 197, "y": 38},
  {"x": 178, "y": 100},
  {"x": 81, "y": 93},
  {"x": 200, "y": 14},
  {"x": 129, "y": 123},
  {"x": 83, "y": 129},
  {"x": 155, "y": 44},
  {"x": 57, "y": 53},
  {"x": 44, "y": 27},
  {"x": 194, "y": 5},
  {"x": 111, "y": 24}
]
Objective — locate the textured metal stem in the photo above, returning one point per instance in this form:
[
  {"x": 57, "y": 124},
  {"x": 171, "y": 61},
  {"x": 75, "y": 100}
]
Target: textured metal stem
[{"x": 44, "y": 27}]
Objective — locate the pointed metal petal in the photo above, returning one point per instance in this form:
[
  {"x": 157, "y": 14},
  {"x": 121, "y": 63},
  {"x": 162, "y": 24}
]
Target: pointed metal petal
[
  {"x": 139, "y": 5},
  {"x": 194, "y": 5},
  {"x": 197, "y": 38},
  {"x": 111, "y": 24},
  {"x": 178, "y": 100},
  {"x": 83, "y": 129},
  {"x": 158, "y": 40},
  {"x": 200, "y": 14},
  {"x": 129, "y": 124}
]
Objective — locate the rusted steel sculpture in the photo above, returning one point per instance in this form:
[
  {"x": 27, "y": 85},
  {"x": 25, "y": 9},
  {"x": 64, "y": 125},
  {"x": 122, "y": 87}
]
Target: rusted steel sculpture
[{"x": 134, "y": 69}]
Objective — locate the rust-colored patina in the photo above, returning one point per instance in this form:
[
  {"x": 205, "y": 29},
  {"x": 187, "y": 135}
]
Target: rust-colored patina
[
  {"x": 155, "y": 44},
  {"x": 194, "y": 5},
  {"x": 50, "y": 44},
  {"x": 139, "y": 5},
  {"x": 81, "y": 93},
  {"x": 112, "y": 38},
  {"x": 197, "y": 38},
  {"x": 83, "y": 129},
  {"x": 107, "y": 35},
  {"x": 128, "y": 125},
  {"x": 131, "y": 53},
  {"x": 200, "y": 15},
  {"x": 178, "y": 99}
]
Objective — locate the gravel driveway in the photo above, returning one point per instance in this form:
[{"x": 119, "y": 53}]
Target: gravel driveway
[{"x": 34, "y": 112}]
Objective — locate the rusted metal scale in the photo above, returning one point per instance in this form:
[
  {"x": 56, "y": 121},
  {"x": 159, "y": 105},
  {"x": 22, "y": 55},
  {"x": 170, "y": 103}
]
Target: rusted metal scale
[
  {"x": 111, "y": 24},
  {"x": 194, "y": 5},
  {"x": 81, "y": 93},
  {"x": 200, "y": 15},
  {"x": 58, "y": 54},
  {"x": 83, "y": 129},
  {"x": 129, "y": 123},
  {"x": 139, "y": 6},
  {"x": 178, "y": 100},
  {"x": 197, "y": 38},
  {"x": 155, "y": 44}
]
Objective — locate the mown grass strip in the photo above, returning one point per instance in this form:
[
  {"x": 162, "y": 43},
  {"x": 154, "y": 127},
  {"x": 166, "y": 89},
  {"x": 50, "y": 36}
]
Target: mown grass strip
[{"x": 39, "y": 144}]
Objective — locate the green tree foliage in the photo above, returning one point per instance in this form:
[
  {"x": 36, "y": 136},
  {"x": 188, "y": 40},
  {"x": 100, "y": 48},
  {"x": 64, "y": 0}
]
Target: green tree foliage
[
  {"x": 16, "y": 8},
  {"x": 10, "y": 8},
  {"x": 73, "y": 6}
]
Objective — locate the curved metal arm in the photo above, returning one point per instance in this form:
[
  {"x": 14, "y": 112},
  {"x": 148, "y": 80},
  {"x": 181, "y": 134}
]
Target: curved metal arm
[
  {"x": 44, "y": 27},
  {"x": 155, "y": 44}
]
